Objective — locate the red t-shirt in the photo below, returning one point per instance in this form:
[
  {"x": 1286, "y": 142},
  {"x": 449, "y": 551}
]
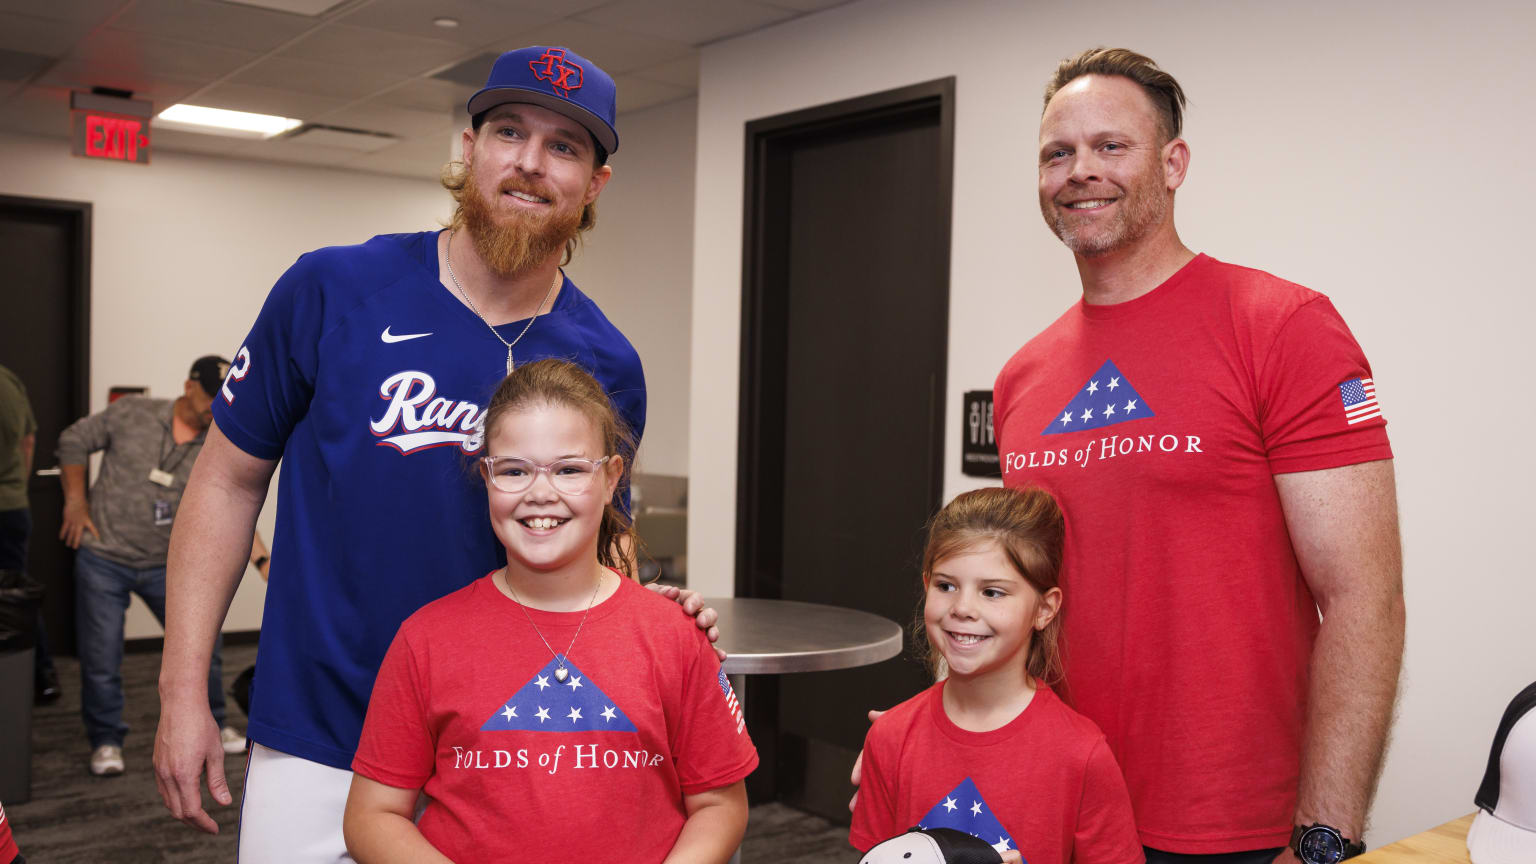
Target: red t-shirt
[
  {"x": 1044, "y": 784},
  {"x": 1158, "y": 424},
  {"x": 8, "y": 850},
  {"x": 515, "y": 763}
]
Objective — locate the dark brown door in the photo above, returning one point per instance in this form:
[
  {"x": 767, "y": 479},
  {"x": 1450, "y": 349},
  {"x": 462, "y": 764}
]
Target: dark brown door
[
  {"x": 44, "y": 339},
  {"x": 844, "y": 344}
]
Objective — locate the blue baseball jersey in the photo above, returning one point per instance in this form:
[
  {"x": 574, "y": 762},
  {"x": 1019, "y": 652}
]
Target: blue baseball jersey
[{"x": 369, "y": 381}]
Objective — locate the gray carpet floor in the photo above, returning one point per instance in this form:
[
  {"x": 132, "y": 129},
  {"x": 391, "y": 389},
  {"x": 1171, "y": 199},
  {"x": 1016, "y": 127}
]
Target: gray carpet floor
[{"x": 76, "y": 818}]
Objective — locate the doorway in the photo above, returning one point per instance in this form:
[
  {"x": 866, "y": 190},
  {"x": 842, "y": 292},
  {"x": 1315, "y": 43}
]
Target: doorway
[
  {"x": 45, "y": 340},
  {"x": 845, "y": 315}
]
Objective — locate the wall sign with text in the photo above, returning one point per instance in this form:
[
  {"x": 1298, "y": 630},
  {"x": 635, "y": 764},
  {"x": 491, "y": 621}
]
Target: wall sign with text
[
  {"x": 978, "y": 450},
  {"x": 110, "y": 127}
]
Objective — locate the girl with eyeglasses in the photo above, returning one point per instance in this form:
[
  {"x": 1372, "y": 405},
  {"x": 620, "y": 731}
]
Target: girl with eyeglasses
[{"x": 553, "y": 710}]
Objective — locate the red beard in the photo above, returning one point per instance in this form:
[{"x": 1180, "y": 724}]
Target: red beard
[{"x": 511, "y": 243}]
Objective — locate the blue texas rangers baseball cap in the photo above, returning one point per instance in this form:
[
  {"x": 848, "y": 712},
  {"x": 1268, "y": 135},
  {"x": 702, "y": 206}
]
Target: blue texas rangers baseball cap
[{"x": 558, "y": 79}]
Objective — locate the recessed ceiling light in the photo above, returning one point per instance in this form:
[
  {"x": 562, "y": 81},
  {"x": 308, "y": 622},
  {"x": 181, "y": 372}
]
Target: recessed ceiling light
[
  {"x": 220, "y": 121},
  {"x": 446, "y": 23}
]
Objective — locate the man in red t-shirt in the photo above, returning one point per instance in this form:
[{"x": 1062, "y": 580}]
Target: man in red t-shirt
[{"x": 1213, "y": 436}]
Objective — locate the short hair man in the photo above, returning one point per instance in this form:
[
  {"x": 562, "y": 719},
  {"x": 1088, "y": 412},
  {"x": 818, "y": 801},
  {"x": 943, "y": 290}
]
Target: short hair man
[
  {"x": 122, "y": 529},
  {"x": 1213, "y": 435},
  {"x": 366, "y": 373}
]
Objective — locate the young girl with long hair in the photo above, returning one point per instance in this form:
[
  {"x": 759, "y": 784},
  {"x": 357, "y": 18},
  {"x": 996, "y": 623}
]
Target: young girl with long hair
[
  {"x": 991, "y": 750},
  {"x": 553, "y": 710}
]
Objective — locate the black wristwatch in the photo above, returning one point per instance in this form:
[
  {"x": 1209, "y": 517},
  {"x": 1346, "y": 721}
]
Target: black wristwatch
[{"x": 1323, "y": 844}]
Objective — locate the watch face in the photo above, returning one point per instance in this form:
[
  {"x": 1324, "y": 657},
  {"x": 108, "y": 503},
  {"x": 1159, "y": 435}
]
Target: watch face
[{"x": 1320, "y": 846}]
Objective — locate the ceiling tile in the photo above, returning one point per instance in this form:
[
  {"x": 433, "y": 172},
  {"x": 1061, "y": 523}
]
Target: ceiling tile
[
  {"x": 37, "y": 111},
  {"x": 281, "y": 150},
  {"x": 395, "y": 121},
  {"x": 311, "y": 8},
  {"x": 480, "y": 23},
  {"x": 91, "y": 12},
  {"x": 637, "y": 93},
  {"x": 18, "y": 66},
  {"x": 344, "y": 82},
  {"x": 155, "y": 56},
  {"x": 471, "y": 73},
  {"x": 805, "y": 5},
  {"x": 683, "y": 72},
  {"x": 177, "y": 140},
  {"x": 362, "y": 48},
  {"x": 614, "y": 50},
  {"x": 82, "y": 75},
  {"x": 428, "y": 94},
  {"x": 268, "y": 100},
  {"x": 422, "y": 158},
  {"x": 39, "y": 35},
  {"x": 692, "y": 21},
  {"x": 213, "y": 23}
]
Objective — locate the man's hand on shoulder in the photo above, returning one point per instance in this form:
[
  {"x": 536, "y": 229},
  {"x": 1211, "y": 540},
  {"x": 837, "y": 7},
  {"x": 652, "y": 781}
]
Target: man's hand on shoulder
[{"x": 693, "y": 603}]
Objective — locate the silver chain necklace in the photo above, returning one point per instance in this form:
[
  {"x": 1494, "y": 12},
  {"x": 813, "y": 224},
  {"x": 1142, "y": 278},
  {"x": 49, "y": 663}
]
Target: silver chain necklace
[
  {"x": 448, "y": 259},
  {"x": 561, "y": 673}
]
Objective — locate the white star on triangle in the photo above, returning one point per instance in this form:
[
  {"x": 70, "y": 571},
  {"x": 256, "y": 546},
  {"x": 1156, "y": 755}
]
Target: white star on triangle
[
  {"x": 509, "y": 713},
  {"x": 1110, "y": 411},
  {"x": 1130, "y": 406},
  {"x": 543, "y": 714},
  {"x": 541, "y": 681},
  {"x": 608, "y": 713},
  {"x": 975, "y": 808},
  {"x": 1113, "y": 383},
  {"x": 1002, "y": 845},
  {"x": 949, "y": 804},
  {"x": 1087, "y": 413},
  {"x": 1066, "y": 418},
  {"x": 575, "y": 714},
  {"x": 574, "y": 682},
  {"x": 1093, "y": 387}
]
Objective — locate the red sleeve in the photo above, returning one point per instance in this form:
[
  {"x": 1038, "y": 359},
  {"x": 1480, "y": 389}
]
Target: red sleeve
[
  {"x": 397, "y": 747},
  {"x": 711, "y": 746},
  {"x": 1311, "y": 387},
  {"x": 1106, "y": 827},
  {"x": 874, "y": 814},
  {"x": 8, "y": 850}
]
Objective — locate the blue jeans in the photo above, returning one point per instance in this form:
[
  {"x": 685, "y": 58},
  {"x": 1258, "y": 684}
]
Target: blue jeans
[{"x": 102, "y": 592}]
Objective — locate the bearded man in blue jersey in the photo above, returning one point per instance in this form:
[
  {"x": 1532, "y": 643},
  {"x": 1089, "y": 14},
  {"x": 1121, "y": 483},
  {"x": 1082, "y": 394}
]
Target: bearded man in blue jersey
[{"x": 366, "y": 374}]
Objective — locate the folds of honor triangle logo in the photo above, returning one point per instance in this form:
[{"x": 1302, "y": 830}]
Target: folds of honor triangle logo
[
  {"x": 1108, "y": 398},
  {"x": 964, "y": 809},
  {"x": 546, "y": 705}
]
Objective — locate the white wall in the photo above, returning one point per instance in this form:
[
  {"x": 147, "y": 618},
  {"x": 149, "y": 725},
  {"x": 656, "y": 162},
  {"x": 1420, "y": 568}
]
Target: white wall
[
  {"x": 183, "y": 253},
  {"x": 638, "y": 265},
  {"x": 1368, "y": 150}
]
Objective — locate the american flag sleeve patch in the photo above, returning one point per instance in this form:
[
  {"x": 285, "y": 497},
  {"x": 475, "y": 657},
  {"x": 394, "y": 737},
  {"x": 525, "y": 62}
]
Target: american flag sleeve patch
[
  {"x": 731, "y": 704},
  {"x": 1359, "y": 395}
]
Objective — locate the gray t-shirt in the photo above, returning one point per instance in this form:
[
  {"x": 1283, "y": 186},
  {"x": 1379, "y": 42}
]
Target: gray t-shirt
[{"x": 132, "y": 511}]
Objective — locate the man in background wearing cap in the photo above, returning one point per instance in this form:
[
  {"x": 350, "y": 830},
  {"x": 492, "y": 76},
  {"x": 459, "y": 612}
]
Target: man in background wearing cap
[
  {"x": 367, "y": 374},
  {"x": 122, "y": 530}
]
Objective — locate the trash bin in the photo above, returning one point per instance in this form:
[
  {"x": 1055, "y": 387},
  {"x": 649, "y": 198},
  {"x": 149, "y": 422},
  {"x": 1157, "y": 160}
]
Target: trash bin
[{"x": 20, "y": 595}]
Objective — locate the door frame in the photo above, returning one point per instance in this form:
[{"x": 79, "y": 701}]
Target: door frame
[
  {"x": 79, "y": 217},
  {"x": 59, "y": 601},
  {"x": 764, "y": 335},
  {"x": 760, "y": 452}
]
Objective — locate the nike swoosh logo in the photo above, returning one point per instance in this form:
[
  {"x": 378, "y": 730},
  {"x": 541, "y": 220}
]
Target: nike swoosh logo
[{"x": 391, "y": 339}]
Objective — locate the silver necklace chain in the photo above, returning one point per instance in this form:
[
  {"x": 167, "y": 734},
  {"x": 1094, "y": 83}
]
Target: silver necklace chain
[
  {"x": 448, "y": 259},
  {"x": 560, "y": 674}
]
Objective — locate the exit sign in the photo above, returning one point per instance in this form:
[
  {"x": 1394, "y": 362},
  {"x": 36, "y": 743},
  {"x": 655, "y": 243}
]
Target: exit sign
[{"x": 112, "y": 128}]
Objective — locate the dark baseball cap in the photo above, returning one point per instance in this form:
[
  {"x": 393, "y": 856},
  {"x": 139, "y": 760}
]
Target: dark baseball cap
[
  {"x": 209, "y": 373},
  {"x": 558, "y": 79}
]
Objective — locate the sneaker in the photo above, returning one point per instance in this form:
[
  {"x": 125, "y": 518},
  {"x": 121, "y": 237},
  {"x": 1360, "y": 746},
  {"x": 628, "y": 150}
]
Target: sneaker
[
  {"x": 107, "y": 760},
  {"x": 45, "y": 690},
  {"x": 232, "y": 741}
]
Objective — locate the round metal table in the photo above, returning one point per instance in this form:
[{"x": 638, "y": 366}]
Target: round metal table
[
  {"x": 775, "y": 636},
  {"x": 770, "y": 637}
]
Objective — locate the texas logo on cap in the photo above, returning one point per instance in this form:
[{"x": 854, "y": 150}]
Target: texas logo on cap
[{"x": 551, "y": 66}]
